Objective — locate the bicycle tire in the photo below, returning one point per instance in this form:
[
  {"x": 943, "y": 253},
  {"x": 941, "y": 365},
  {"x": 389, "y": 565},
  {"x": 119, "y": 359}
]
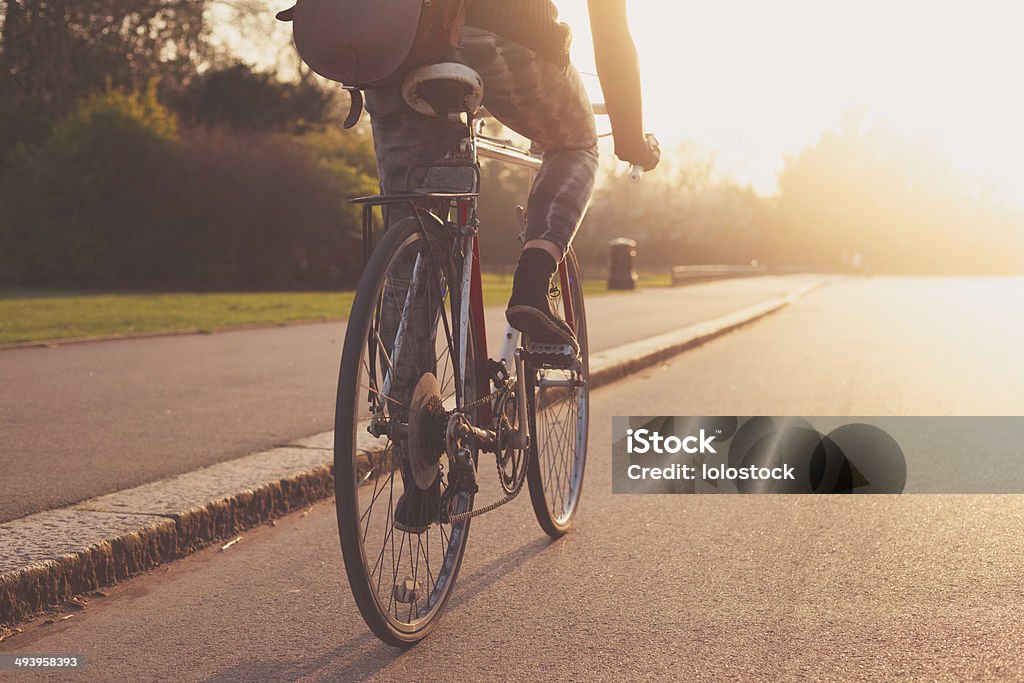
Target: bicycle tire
[
  {"x": 351, "y": 476},
  {"x": 556, "y": 482}
]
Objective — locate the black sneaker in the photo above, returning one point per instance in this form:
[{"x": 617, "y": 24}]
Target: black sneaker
[
  {"x": 417, "y": 508},
  {"x": 529, "y": 309},
  {"x": 541, "y": 326}
]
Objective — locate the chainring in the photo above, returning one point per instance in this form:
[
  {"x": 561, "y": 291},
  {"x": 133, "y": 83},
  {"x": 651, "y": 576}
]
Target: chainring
[{"x": 511, "y": 460}]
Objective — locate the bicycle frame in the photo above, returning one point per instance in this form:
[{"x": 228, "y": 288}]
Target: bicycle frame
[
  {"x": 472, "y": 147},
  {"x": 489, "y": 149},
  {"x": 509, "y": 354}
]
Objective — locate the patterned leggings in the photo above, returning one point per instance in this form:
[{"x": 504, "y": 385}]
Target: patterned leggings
[{"x": 534, "y": 97}]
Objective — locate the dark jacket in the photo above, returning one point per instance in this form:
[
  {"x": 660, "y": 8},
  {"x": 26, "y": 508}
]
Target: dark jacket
[{"x": 533, "y": 23}]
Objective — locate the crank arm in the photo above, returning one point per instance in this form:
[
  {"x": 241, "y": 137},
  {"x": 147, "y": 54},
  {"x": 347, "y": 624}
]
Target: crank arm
[{"x": 520, "y": 438}]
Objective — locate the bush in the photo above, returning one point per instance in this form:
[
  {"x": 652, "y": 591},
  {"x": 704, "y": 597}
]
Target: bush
[
  {"x": 262, "y": 212},
  {"x": 240, "y": 98},
  {"x": 117, "y": 197},
  {"x": 347, "y": 154},
  {"x": 65, "y": 209}
]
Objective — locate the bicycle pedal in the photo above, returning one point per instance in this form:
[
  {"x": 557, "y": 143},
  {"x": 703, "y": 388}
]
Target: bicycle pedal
[{"x": 556, "y": 356}]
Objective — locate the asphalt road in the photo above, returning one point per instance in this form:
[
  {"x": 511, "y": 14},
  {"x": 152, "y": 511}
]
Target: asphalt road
[
  {"x": 691, "y": 587},
  {"x": 82, "y": 420}
]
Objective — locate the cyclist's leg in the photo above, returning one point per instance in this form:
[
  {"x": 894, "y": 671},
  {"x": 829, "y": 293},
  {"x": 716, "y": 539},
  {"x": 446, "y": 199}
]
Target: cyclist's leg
[
  {"x": 547, "y": 103},
  {"x": 404, "y": 138}
]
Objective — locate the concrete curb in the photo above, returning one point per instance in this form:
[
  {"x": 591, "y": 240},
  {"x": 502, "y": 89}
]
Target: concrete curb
[{"x": 52, "y": 556}]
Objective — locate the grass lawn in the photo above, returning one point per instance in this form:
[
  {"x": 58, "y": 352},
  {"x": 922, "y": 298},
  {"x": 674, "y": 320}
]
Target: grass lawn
[{"x": 41, "y": 315}]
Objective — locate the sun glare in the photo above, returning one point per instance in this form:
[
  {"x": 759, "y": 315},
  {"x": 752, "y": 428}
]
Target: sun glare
[{"x": 755, "y": 81}]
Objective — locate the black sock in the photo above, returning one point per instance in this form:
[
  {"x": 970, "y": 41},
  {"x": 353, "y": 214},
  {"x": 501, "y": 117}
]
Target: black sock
[{"x": 532, "y": 278}]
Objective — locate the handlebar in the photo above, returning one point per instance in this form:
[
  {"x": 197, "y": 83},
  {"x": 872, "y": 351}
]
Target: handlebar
[
  {"x": 636, "y": 172},
  {"x": 503, "y": 150}
]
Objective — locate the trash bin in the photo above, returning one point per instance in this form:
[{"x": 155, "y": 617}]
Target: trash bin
[{"x": 621, "y": 252}]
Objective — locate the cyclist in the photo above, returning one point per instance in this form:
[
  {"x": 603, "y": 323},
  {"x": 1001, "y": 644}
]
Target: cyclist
[{"x": 521, "y": 51}]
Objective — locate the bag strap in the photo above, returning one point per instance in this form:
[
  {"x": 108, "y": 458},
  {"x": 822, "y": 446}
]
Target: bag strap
[
  {"x": 355, "y": 107},
  {"x": 460, "y": 21}
]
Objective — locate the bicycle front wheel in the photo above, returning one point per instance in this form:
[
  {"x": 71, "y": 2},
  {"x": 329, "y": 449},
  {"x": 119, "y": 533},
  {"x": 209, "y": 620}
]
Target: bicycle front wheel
[
  {"x": 559, "y": 412},
  {"x": 404, "y": 324}
]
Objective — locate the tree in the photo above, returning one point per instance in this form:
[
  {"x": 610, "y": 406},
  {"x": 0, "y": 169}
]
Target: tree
[
  {"x": 55, "y": 52},
  {"x": 682, "y": 214},
  {"x": 894, "y": 199},
  {"x": 238, "y": 97}
]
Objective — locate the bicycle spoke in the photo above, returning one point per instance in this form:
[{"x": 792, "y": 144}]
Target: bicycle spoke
[
  {"x": 430, "y": 583},
  {"x": 559, "y": 405},
  {"x": 445, "y": 542},
  {"x": 406, "y": 331},
  {"x": 562, "y": 460},
  {"x": 384, "y": 396},
  {"x": 372, "y": 501},
  {"x": 408, "y": 538},
  {"x": 564, "y": 439},
  {"x": 383, "y": 349},
  {"x": 448, "y": 381},
  {"x": 552, "y": 432}
]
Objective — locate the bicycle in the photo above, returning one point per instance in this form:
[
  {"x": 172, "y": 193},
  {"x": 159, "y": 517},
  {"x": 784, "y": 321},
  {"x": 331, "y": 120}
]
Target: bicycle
[{"x": 420, "y": 401}]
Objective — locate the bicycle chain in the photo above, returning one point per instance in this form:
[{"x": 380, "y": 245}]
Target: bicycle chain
[
  {"x": 462, "y": 516},
  {"x": 505, "y": 385}
]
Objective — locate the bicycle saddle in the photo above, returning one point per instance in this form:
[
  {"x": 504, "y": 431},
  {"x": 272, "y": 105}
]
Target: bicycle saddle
[{"x": 443, "y": 89}]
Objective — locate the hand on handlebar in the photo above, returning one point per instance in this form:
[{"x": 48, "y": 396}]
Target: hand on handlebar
[{"x": 645, "y": 154}]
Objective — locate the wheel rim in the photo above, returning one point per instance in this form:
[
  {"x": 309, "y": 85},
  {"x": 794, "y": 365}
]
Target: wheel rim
[
  {"x": 561, "y": 424},
  {"x": 388, "y": 555}
]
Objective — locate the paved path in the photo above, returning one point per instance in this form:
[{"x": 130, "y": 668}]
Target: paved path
[
  {"x": 688, "y": 587},
  {"x": 86, "y": 419}
]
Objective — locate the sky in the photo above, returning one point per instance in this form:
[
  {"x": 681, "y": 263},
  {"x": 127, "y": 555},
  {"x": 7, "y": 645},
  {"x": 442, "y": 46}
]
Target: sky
[{"x": 753, "y": 81}]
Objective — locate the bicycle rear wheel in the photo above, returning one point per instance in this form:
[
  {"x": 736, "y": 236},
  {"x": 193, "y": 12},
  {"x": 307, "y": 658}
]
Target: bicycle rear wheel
[
  {"x": 404, "y": 323},
  {"x": 559, "y": 412}
]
